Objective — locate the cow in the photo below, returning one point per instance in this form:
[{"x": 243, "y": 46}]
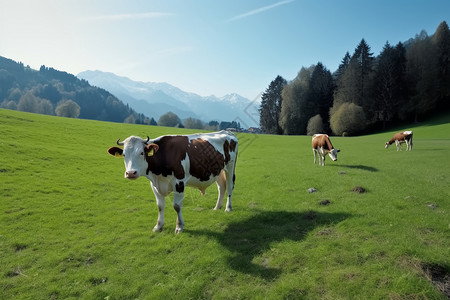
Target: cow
[
  {"x": 399, "y": 138},
  {"x": 172, "y": 162},
  {"x": 321, "y": 146}
]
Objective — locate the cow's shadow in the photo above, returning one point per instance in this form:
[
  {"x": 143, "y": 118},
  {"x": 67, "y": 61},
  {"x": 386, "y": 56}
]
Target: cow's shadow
[
  {"x": 359, "y": 167},
  {"x": 253, "y": 236}
]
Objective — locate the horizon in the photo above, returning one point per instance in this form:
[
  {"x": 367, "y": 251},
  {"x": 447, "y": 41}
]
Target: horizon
[{"x": 206, "y": 48}]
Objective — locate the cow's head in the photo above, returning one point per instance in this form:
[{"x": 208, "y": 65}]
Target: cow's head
[
  {"x": 135, "y": 152},
  {"x": 387, "y": 145},
  {"x": 333, "y": 154}
]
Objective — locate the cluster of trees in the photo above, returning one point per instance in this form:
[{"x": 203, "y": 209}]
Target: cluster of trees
[
  {"x": 172, "y": 120},
  {"x": 53, "y": 92},
  {"x": 404, "y": 82}
]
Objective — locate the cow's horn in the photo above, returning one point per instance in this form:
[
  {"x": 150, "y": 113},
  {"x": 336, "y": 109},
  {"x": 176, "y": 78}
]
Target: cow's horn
[
  {"x": 118, "y": 143},
  {"x": 148, "y": 139}
]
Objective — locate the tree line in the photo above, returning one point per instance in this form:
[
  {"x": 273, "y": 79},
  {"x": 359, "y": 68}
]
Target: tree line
[
  {"x": 404, "y": 83},
  {"x": 52, "y": 92}
]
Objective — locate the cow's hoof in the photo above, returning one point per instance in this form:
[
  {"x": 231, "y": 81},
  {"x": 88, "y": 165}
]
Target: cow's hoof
[
  {"x": 178, "y": 230},
  {"x": 228, "y": 209},
  {"x": 157, "y": 229}
]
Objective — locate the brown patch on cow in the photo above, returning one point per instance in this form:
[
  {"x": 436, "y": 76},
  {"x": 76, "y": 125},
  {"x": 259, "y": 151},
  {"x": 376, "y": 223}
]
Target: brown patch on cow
[
  {"x": 226, "y": 151},
  {"x": 167, "y": 160},
  {"x": 179, "y": 187},
  {"x": 322, "y": 141},
  {"x": 233, "y": 145},
  {"x": 205, "y": 159}
]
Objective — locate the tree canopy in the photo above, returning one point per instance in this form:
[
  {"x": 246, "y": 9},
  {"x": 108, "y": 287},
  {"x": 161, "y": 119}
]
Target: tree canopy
[{"x": 405, "y": 82}]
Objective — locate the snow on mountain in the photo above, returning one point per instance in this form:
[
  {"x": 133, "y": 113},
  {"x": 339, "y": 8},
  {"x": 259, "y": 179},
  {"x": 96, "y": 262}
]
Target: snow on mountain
[{"x": 155, "y": 99}]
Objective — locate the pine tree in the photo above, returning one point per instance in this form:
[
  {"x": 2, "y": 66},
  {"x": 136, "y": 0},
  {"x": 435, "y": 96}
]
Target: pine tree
[
  {"x": 389, "y": 83},
  {"x": 271, "y": 106},
  {"x": 441, "y": 40},
  {"x": 321, "y": 92}
]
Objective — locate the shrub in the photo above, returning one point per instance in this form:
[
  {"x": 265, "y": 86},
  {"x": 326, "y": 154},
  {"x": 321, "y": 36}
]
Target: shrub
[
  {"x": 68, "y": 109},
  {"x": 348, "y": 118},
  {"x": 315, "y": 125}
]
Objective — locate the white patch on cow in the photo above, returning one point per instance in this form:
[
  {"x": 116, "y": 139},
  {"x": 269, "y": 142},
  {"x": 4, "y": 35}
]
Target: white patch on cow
[{"x": 134, "y": 157}]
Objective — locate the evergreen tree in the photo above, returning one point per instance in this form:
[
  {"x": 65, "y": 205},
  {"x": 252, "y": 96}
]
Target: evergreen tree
[
  {"x": 321, "y": 89},
  {"x": 389, "y": 83},
  {"x": 441, "y": 40},
  {"x": 270, "y": 109},
  {"x": 364, "y": 71},
  {"x": 296, "y": 107},
  {"x": 421, "y": 72}
]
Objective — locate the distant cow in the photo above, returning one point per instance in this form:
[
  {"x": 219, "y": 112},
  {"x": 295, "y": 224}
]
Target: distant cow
[
  {"x": 173, "y": 162},
  {"x": 400, "y": 138},
  {"x": 322, "y": 146}
]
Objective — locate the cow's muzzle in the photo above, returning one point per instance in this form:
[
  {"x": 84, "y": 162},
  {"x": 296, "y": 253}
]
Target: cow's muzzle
[{"x": 132, "y": 174}]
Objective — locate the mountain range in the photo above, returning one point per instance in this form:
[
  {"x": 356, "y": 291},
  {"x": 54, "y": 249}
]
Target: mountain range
[{"x": 155, "y": 99}]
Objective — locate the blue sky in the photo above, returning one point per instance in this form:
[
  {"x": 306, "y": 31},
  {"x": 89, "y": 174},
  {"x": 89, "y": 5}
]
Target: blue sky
[{"x": 206, "y": 46}]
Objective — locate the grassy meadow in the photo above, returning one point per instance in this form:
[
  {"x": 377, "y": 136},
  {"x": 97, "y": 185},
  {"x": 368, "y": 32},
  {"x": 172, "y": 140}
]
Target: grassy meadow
[{"x": 71, "y": 227}]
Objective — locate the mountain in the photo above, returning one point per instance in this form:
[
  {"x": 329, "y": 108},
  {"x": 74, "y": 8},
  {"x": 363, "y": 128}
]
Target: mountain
[
  {"x": 155, "y": 99},
  {"x": 43, "y": 91}
]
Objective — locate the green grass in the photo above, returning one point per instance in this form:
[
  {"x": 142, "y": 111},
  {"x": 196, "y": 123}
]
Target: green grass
[{"x": 71, "y": 227}]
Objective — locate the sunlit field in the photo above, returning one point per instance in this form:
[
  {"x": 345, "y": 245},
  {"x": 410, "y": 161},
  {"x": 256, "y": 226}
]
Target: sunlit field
[{"x": 71, "y": 227}]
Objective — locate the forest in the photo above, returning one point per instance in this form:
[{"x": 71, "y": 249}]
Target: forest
[
  {"x": 405, "y": 83},
  {"x": 52, "y": 92}
]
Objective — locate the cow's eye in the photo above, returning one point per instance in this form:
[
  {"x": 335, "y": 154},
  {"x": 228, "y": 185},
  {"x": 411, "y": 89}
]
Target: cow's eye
[{"x": 142, "y": 153}]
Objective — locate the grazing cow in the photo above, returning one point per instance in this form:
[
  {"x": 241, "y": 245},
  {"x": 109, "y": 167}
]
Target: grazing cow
[
  {"x": 173, "y": 162},
  {"x": 400, "y": 138},
  {"x": 322, "y": 146}
]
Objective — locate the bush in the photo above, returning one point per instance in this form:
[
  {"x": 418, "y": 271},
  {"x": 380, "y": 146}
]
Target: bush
[
  {"x": 315, "y": 125},
  {"x": 170, "y": 120},
  {"x": 348, "y": 118},
  {"x": 68, "y": 109}
]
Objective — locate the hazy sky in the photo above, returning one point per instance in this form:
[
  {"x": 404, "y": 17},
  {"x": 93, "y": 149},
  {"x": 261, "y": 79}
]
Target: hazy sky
[{"x": 206, "y": 46}]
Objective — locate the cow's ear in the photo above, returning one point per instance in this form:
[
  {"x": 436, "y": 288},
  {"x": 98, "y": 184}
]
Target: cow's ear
[
  {"x": 338, "y": 150},
  {"x": 116, "y": 151},
  {"x": 151, "y": 149}
]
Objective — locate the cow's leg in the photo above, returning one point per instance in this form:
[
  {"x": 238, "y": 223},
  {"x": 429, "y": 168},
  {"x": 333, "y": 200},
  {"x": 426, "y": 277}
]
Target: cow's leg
[
  {"x": 178, "y": 196},
  {"x": 221, "y": 186},
  {"x": 161, "y": 203},
  {"x": 230, "y": 178},
  {"x": 399, "y": 146},
  {"x": 314, "y": 153}
]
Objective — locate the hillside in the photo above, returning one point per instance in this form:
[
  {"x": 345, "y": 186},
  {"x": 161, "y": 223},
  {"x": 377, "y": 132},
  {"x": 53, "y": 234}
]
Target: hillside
[
  {"x": 25, "y": 89},
  {"x": 72, "y": 227},
  {"x": 155, "y": 99}
]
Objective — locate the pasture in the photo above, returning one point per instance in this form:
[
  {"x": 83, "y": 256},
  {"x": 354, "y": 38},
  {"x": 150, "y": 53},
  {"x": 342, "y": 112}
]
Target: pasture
[{"x": 71, "y": 227}]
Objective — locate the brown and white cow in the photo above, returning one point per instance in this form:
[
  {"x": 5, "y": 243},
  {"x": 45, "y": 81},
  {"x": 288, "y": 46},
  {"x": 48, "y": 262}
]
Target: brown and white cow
[
  {"x": 173, "y": 162},
  {"x": 321, "y": 146},
  {"x": 401, "y": 137}
]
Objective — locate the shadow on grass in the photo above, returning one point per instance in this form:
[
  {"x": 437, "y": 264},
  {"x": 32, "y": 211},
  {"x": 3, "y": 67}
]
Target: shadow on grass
[
  {"x": 359, "y": 167},
  {"x": 251, "y": 237}
]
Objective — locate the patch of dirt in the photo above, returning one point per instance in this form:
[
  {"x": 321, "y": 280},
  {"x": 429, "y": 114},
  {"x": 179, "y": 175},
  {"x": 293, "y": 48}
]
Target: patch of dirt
[
  {"x": 324, "y": 202},
  {"x": 359, "y": 190},
  {"x": 439, "y": 276}
]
